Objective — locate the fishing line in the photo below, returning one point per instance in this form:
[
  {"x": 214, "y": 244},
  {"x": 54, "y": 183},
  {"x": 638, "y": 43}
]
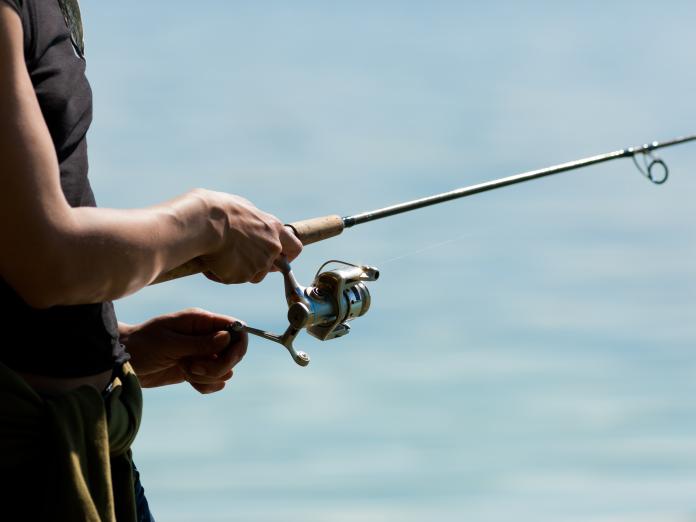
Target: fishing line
[{"x": 425, "y": 249}]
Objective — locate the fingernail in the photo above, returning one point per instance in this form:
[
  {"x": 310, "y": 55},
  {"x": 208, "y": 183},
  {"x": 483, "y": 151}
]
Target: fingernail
[
  {"x": 197, "y": 369},
  {"x": 221, "y": 339}
]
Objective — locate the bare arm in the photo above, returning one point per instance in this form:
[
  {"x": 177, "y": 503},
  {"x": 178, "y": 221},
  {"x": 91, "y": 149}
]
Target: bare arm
[{"x": 53, "y": 254}]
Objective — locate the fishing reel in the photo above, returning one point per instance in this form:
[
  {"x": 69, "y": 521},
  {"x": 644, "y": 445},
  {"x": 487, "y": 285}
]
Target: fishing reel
[{"x": 324, "y": 308}]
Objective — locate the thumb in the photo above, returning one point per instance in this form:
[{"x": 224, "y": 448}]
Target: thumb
[
  {"x": 203, "y": 345},
  {"x": 216, "y": 342}
]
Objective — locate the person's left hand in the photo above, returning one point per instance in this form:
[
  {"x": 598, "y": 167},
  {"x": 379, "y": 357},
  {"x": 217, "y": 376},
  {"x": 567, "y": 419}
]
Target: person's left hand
[{"x": 190, "y": 345}]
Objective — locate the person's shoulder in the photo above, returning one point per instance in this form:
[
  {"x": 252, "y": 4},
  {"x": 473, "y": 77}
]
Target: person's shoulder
[
  {"x": 26, "y": 9},
  {"x": 17, "y": 5}
]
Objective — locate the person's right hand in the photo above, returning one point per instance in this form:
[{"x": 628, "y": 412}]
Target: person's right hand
[
  {"x": 59, "y": 255},
  {"x": 252, "y": 240}
]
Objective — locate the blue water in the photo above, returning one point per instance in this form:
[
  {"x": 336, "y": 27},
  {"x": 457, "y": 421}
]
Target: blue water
[{"x": 530, "y": 353}]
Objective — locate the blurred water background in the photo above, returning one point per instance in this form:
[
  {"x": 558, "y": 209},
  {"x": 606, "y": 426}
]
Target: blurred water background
[{"x": 530, "y": 353}]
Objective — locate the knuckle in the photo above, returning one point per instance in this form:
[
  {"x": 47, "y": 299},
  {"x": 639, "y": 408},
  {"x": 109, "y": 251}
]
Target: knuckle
[
  {"x": 216, "y": 374},
  {"x": 201, "y": 380},
  {"x": 194, "y": 310},
  {"x": 230, "y": 279},
  {"x": 275, "y": 248},
  {"x": 228, "y": 275}
]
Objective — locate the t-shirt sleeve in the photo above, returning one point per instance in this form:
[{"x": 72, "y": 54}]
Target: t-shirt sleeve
[{"x": 14, "y": 4}]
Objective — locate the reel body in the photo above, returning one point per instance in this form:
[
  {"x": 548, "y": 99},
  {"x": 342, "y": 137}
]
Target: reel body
[{"x": 324, "y": 308}]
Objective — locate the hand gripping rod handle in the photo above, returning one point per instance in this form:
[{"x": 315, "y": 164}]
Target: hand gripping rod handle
[{"x": 308, "y": 231}]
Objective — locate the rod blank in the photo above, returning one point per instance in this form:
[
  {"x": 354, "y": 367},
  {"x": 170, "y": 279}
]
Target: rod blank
[
  {"x": 400, "y": 208},
  {"x": 321, "y": 228}
]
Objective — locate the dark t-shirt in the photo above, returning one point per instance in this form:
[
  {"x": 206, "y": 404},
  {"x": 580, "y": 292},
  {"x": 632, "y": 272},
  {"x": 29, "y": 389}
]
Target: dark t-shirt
[{"x": 62, "y": 341}]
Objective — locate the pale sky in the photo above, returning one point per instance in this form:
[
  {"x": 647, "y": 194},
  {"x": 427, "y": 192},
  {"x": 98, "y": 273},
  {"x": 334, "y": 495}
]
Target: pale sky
[{"x": 540, "y": 366}]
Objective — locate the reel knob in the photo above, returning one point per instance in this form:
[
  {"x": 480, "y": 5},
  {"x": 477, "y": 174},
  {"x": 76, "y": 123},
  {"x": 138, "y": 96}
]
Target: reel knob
[
  {"x": 323, "y": 309},
  {"x": 298, "y": 315}
]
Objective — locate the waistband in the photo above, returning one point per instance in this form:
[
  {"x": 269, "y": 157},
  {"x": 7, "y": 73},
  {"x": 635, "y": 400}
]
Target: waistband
[{"x": 85, "y": 434}]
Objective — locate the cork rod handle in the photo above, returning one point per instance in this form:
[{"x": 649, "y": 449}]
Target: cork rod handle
[{"x": 308, "y": 231}]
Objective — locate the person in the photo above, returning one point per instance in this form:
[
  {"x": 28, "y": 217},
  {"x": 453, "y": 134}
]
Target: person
[{"x": 70, "y": 374}]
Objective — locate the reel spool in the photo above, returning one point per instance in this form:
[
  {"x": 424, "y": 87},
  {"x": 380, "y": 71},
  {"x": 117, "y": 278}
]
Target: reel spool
[{"x": 324, "y": 308}]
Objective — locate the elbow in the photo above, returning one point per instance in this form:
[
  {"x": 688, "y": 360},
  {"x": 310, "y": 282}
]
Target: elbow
[
  {"x": 45, "y": 294},
  {"x": 47, "y": 265},
  {"x": 32, "y": 294},
  {"x": 42, "y": 281},
  {"x": 40, "y": 288},
  {"x": 36, "y": 299}
]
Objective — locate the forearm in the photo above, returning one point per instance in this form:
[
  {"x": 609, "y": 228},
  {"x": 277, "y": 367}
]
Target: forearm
[
  {"x": 57, "y": 255},
  {"x": 54, "y": 254},
  {"x": 106, "y": 253}
]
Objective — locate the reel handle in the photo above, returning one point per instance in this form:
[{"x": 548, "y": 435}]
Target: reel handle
[{"x": 308, "y": 231}]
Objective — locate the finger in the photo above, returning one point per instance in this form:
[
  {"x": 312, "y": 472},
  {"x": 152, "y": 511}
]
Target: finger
[
  {"x": 226, "y": 360},
  {"x": 206, "y": 379},
  {"x": 196, "y": 321},
  {"x": 222, "y": 363},
  {"x": 259, "y": 276},
  {"x": 204, "y": 321},
  {"x": 281, "y": 264},
  {"x": 292, "y": 246},
  {"x": 206, "y": 389},
  {"x": 186, "y": 347},
  {"x": 211, "y": 275}
]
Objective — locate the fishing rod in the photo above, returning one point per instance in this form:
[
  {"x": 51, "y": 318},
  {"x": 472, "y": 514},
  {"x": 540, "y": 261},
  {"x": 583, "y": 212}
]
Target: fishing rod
[
  {"x": 656, "y": 171},
  {"x": 340, "y": 295}
]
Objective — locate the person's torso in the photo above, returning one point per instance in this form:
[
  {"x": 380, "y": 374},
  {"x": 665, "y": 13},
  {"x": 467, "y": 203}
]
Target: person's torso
[{"x": 62, "y": 341}]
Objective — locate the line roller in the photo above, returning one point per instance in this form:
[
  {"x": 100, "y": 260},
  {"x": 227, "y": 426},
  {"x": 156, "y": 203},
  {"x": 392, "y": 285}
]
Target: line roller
[{"x": 340, "y": 295}]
